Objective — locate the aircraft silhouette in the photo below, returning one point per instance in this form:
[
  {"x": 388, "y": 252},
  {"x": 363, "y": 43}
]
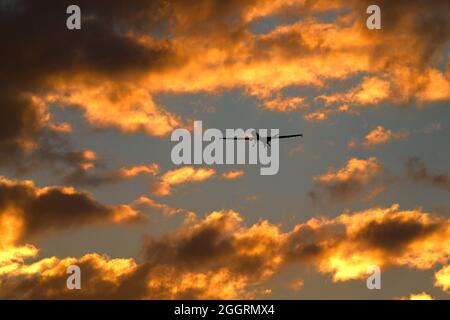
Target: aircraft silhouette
[{"x": 265, "y": 140}]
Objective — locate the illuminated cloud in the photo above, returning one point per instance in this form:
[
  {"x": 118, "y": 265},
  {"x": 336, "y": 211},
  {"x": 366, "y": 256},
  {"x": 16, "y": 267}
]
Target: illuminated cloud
[
  {"x": 233, "y": 174},
  {"x": 286, "y": 104},
  {"x": 84, "y": 177},
  {"x": 130, "y": 172},
  {"x": 442, "y": 278},
  {"x": 347, "y": 245},
  {"x": 127, "y": 107},
  {"x": 381, "y": 136},
  {"x": 180, "y": 176},
  {"x": 418, "y": 296},
  {"x": 220, "y": 257},
  {"x": 168, "y": 283},
  {"x": 349, "y": 180},
  {"x": 27, "y": 211},
  {"x": 217, "y": 257},
  {"x": 370, "y": 91},
  {"x": 159, "y": 207},
  {"x": 113, "y": 70},
  {"x": 46, "y": 278},
  {"x": 117, "y": 65},
  {"x": 224, "y": 248},
  {"x": 63, "y": 127}
]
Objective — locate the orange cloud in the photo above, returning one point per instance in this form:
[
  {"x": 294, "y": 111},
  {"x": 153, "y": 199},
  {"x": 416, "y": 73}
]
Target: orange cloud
[
  {"x": 418, "y": 296},
  {"x": 26, "y": 210},
  {"x": 347, "y": 245},
  {"x": 380, "y": 136},
  {"x": 130, "y": 172},
  {"x": 234, "y": 258},
  {"x": 180, "y": 176},
  {"x": 113, "y": 76},
  {"x": 46, "y": 278},
  {"x": 442, "y": 278},
  {"x": 220, "y": 257},
  {"x": 168, "y": 283},
  {"x": 233, "y": 174},
  {"x": 361, "y": 170},
  {"x": 126, "y": 106},
  {"x": 286, "y": 104},
  {"x": 345, "y": 182},
  {"x": 87, "y": 160},
  {"x": 370, "y": 91},
  {"x": 160, "y": 207},
  {"x": 63, "y": 127}
]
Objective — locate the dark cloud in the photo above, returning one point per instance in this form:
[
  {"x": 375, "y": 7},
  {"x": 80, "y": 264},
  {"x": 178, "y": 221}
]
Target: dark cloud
[
  {"x": 348, "y": 182},
  {"x": 80, "y": 177},
  {"x": 425, "y": 22},
  {"x": 417, "y": 172},
  {"x": 393, "y": 235},
  {"x": 55, "y": 208},
  {"x": 214, "y": 244},
  {"x": 220, "y": 257},
  {"x": 37, "y": 46}
]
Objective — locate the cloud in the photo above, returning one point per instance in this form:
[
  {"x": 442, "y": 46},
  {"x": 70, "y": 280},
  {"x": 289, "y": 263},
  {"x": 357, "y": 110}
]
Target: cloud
[
  {"x": 219, "y": 256},
  {"x": 417, "y": 172},
  {"x": 125, "y": 54},
  {"x": 27, "y": 211},
  {"x": 347, "y": 245},
  {"x": 348, "y": 181},
  {"x": 370, "y": 91},
  {"x": 418, "y": 296},
  {"x": 160, "y": 207},
  {"x": 61, "y": 57},
  {"x": 22, "y": 117},
  {"x": 180, "y": 176},
  {"x": 152, "y": 169},
  {"x": 130, "y": 107},
  {"x": 102, "y": 277},
  {"x": 162, "y": 185},
  {"x": 442, "y": 278},
  {"x": 82, "y": 176},
  {"x": 216, "y": 257},
  {"x": 128, "y": 52},
  {"x": 285, "y": 104},
  {"x": 232, "y": 174},
  {"x": 380, "y": 136}
]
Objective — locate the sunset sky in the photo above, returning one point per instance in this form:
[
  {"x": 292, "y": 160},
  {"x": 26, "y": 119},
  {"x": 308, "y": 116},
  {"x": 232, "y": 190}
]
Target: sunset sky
[{"x": 86, "y": 176}]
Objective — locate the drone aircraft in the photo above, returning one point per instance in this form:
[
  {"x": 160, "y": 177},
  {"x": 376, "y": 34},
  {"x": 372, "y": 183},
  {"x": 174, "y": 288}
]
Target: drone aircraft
[{"x": 265, "y": 140}]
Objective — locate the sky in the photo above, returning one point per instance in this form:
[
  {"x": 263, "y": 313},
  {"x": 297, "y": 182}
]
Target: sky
[{"x": 86, "y": 176}]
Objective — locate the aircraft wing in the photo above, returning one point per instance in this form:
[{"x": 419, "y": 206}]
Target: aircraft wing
[{"x": 289, "y": 136}]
